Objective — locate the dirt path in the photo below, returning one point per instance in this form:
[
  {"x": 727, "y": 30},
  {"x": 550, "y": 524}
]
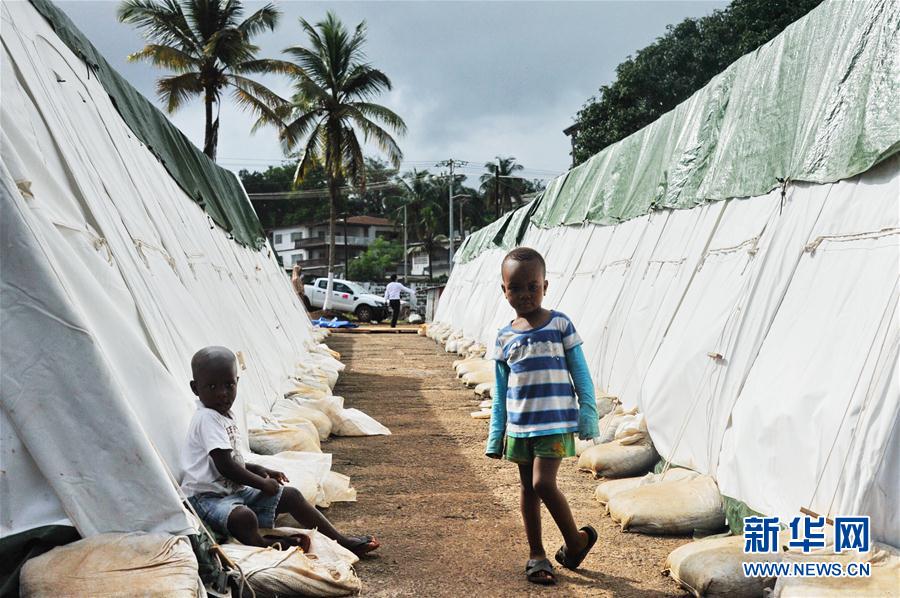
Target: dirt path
[{"x": 447, "y": 516}]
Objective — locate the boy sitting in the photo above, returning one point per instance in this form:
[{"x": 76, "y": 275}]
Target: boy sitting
[{"x": 231, "y": 496}]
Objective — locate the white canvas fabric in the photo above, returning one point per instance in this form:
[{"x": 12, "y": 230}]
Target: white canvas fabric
[
  {"x": 817, "y": 372},
  {"x": 759, "y": 337},
  {"x": 112, "y": 278}
]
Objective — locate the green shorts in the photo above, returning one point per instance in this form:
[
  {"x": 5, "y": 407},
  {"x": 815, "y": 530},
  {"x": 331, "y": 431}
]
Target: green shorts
[{"x": 552, "y": 446}]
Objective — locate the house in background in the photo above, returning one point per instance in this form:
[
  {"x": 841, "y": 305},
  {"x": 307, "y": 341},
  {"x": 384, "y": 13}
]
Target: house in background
[
  {"x": 418, "y": 261},
  {"x": 306, "y": 244}
]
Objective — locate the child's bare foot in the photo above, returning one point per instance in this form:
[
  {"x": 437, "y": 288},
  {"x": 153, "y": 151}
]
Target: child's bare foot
[
  {"x": 301, "y": 541},
  {"x": 360, "y": 545}
]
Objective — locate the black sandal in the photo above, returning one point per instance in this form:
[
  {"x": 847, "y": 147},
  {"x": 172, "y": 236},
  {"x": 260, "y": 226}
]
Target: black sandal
[
  {"x": 573, "y": 561},
  {"x": 360, "y": 545},
  {"x": 535, "y": 567}
]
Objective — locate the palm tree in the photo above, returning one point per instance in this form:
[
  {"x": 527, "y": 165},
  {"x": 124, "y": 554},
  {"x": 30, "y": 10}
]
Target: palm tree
[
  {"x": 424, "y": 201},
  {"x": 500, "y": 187},
  {"x": 209, "y": 49},
  {"x": 333, "y": 89}
]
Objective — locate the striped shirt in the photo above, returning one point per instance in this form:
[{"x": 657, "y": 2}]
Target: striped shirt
[{"x": 540, "y": 399}]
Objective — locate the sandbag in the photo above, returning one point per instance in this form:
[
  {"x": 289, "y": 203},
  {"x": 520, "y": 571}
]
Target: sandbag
[
  {"x": 463, "y": 345},
  {"x": 617, "y": 459},
  {"x": 356, "y": 423},
  {"x": 326, "y": 571},
  {"x": 287, "y": 411},
  {"x": 606, "y": 490},
  {"x": 345, "y": 422},
  {"x": 443, "y": 335},
  {"x": 132, "y": 564},
  {"x": 336, "y": 488},
  {"x": 331, "y": 406},
  {"x": 670, "y": 507},
  {"x": 306, "y": 391},
  {"x": 307, "y": 472},
  {"x": 482, "y": 414},
  {"x": 884, "y": 581},
  {"x": 583, "y": 445},
  {"x": 485, "y": 389},
  {"x": 474, "y": 365},
  {"x": 631, "y": 426},
  {"x": 478, "y": 377},
  {"x": 608, "y": 425},
  {"x": 605, "y": 404},
  {"x": 712, "y": 568},
  {"x": 459, "y": 362},
  {"x": 450, "y": 347},
  {"x": 273, "y": 439}
]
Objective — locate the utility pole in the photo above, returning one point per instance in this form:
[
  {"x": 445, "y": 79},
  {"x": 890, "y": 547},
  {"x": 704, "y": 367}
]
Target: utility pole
[
  {"x": 497, "y": 191},
  {"x": 405, "y": 249},
  {"x": 451, "y": 163},
  {"x": 346, "y": 251}
]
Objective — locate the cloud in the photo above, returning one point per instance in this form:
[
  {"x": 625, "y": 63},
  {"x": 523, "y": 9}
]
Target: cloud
[{"x": 472, "y": 80}]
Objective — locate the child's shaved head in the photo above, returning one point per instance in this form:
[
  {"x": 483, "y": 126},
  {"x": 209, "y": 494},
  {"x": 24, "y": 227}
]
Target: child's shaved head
[
  {"x": 211, "y": 356},
  {"x": 525, "y": 254}
]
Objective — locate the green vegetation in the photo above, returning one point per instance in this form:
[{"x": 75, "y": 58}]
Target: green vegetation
[
  {"x": 333, "y": 88},
  {"x": 209, "y": 49},
  {"x": 501, "y": 188},
  {"x": 314, "y": 207},
  {"x": 668, "y": 71},
  {"x": 374, "y": 261}
]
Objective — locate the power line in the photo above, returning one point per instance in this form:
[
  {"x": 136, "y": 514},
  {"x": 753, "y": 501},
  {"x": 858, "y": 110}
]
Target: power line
[
  {"x": 469, "y": 165},
  {"x": 451, "y": 163}
]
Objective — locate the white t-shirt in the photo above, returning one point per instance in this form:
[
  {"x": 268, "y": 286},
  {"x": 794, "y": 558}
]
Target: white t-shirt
[
  {"x": 394, "y": 289},
  {"x": 209, "y": 430}
]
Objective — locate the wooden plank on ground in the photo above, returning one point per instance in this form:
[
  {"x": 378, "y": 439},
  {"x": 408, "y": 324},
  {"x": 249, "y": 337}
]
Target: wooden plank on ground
[{"x": 378, "y": 330}]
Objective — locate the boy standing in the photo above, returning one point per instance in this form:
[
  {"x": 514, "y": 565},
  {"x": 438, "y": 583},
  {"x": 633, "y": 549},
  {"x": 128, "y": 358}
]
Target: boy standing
[
  {"x": 231, "y": 496},
  {"x": 538, "y": 360}
]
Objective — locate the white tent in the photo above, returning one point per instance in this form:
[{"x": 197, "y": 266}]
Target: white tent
[
  {"x": 112, "y": 277},
  {"x": 757, "y": 331}
]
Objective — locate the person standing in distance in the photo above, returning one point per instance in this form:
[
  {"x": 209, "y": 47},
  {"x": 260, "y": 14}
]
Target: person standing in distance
[{"x": 392, "y": 294}]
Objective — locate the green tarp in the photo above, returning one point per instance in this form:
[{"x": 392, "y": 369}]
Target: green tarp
[
  {"x": 216, "y": 189},
  {"x": 18, "y": 548},
  {"x": 818, "y": 103}
]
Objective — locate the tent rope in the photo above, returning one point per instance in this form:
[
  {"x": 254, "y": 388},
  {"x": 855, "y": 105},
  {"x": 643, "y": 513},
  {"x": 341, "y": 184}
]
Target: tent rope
[
  {"x": 752, "y": 250},
  {"x": 884, "y": 232},
  {"x": 862, "y": 411},
  {"x": 141, "y": 244}
]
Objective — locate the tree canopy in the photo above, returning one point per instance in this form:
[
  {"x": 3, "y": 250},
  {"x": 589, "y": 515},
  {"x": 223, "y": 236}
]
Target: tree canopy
[
  {"x": 334, "y": 88},
  {"x": 665, "y": 73},
  {"x": 375, "y": 260},
  {"x": 209, "y": 48}
]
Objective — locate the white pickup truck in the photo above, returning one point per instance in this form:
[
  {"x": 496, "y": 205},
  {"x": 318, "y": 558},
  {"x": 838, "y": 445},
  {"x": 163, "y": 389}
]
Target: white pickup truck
[{"x": 348, "y": 297}]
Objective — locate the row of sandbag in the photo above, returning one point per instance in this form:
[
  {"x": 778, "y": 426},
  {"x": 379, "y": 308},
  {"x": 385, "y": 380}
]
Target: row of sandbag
[
  {"x": 289, "y": 436},
  {"x": 141, "y": 564},
  {"x": 473, "y": 370},
  {"x": 453, "y": 341},
  {"x": 676, "y": 502},
  {"x": 679, "y": 501},
  {"x": 287, "y": 439},
  {"x": 713, "y": 568},
  {"x": 683, "y": 502}
]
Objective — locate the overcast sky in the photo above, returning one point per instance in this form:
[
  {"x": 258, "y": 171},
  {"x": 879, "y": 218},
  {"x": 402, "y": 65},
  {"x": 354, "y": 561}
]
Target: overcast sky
[{"x": 472, "y": 80}]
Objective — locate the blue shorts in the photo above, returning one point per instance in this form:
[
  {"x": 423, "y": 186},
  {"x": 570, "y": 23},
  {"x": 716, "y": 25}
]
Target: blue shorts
[{"x": 214, "y": 509}]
